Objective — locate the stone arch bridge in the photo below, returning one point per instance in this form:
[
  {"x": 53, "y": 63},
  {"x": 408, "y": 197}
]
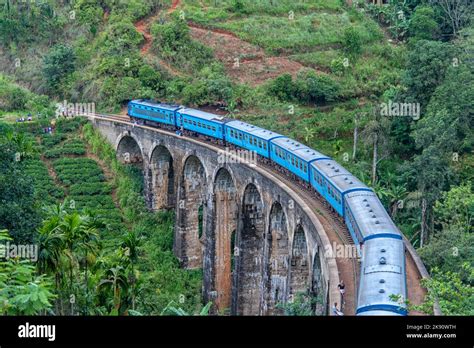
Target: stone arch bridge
[{"x": 257, "y": 241}]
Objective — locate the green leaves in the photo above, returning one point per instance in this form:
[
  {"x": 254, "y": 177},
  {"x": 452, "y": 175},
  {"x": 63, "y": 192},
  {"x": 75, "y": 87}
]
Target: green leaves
[
  {"x": 57, "y": 64},
  {"x": 309, "y": 87},
  {"x": 454, "y": 296},
  {"x": 22, "y": 291}
]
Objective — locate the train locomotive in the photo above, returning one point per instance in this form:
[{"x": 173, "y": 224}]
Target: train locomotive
[{"x": 382, "y": 286}]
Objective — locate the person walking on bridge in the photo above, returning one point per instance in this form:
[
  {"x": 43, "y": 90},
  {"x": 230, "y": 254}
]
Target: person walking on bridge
[{"x": 342, "y": 289}]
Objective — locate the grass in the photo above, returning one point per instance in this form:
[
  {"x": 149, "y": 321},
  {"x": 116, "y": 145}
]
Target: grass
[
  {"x": 305, "y": 32},
  {"x": 210, "y": 11}
]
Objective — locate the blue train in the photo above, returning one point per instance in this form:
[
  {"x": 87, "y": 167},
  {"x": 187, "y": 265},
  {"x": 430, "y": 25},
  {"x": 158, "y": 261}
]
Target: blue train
[{"x": 374, "y": 233}]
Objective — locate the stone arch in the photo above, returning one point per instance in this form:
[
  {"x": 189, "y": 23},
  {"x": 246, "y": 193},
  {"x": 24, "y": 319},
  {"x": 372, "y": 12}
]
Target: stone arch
[
  {"x": 225, "y": 224},
  {"x": 129, "y": 149},
  {"x": 299, "y": 266},
  {"x": 318, "y": 285},
  {"x": 277, "y": 262},
  {"x": 191, "y": 197},
  {"x": 162, "y": 178},
  {"x": 248, "y": 275}
]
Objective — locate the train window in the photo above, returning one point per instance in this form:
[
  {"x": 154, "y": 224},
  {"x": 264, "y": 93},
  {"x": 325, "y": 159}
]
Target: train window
[
  {"x": 305, "y": 168},
  {"x": 292, "y": 160},
  {"x": 264, "y": 146},
  {"x": 241, "y": 136}
]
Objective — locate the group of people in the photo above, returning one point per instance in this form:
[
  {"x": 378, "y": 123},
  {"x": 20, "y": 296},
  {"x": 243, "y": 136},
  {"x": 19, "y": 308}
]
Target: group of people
[
  {"x": 48, "y": 130},
  {"x": 342, "y": 290},
  {"x": 23, "y": 119}
]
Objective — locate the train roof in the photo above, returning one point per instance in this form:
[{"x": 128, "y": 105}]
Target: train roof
[
  {"x": 201, "y": 114},
  {"x": 253, "y": 130},
  {"x": 164, "y": 106},
  {"x": 382, "y": 275},
  {"x": 369, "y": 214},
  {"x": 338, "y": 175},
  {"x": 302, "y": 151}
]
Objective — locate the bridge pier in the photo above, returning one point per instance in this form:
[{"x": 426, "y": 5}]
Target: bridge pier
[{"x": 190, "y": 213}]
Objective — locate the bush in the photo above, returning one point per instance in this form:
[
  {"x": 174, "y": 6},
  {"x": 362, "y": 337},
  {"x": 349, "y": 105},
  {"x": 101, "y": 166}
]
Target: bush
[
  {"x": 57, "y": 64},
  {"x": 282, "y": 87},
  {"x": 311, "y": 87},
  {"x": 352, "y": 41},
  {"x": 423, "y": 25}
]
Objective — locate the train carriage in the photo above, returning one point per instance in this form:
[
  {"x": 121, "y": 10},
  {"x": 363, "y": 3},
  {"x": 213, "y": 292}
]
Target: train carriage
[
  {"x": 382, "y": 288},
  {"x": 333, "y": 181},
  {"x": 200, "y": 122},
  {"x": 383, "y": 271},
  {"x": 294, "y": 156},
  {"x": 366, "y": 217},
  {"x": 156, "y": 112},
  {"x": 250, "y": 137}
]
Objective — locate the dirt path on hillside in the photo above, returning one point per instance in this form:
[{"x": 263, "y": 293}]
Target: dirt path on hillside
[
  {"x": 143, "y": 27},
  {"x": 175, "y": 4},
  {"x": 243, "y": 61}
]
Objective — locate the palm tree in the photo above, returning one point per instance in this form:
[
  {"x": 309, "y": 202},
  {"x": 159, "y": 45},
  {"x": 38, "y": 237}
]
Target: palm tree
[
  {"x": 396, "y": 193},
  {"x": 23, "y": 144},
  {"x": 172, "y": 309},
  {"x": 308, "y": 134},
  {"x": 50, "y": 247},
  {"x": 79, "y": 234},
  {"x": 88, "y": 244},
  {"x": 131, "y": 243},
  {"x": 116, "y": 281},
  {"x": 375, "y": 133}
]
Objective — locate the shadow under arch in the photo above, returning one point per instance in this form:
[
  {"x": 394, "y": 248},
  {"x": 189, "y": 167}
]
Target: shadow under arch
[
  {"x": 277, "y": 263},
  {"x": 248, "y": 272},
  {"x": 162, "y": 176}
]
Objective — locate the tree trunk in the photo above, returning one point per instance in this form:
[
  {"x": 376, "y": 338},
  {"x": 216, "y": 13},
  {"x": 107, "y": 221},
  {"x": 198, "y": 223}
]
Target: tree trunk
[
  {"x": 356, "y": 131},
  {"x": 374, "y": 160},
  {"x": 87, "y": 286},
  {"x": 423, "y": 222}
]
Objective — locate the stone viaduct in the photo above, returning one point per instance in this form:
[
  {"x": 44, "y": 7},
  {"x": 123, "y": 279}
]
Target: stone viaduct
[{"x": 256, "y": 240}]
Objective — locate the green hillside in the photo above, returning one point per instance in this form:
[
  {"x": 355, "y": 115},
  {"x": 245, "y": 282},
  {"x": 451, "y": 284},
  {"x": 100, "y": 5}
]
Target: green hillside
[{"x": 319, "y": 71}]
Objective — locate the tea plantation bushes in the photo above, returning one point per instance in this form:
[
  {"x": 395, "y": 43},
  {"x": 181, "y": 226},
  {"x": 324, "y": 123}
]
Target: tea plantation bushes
[
  {"x": 78, "y": 170},
  {"x": 68, "y": 125},
  {"x": 70, "y": 147},
  {"x": 45, "y": 188},
  {"x": 88, "y": 190},
  {"x": 49, "y": 140}
]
